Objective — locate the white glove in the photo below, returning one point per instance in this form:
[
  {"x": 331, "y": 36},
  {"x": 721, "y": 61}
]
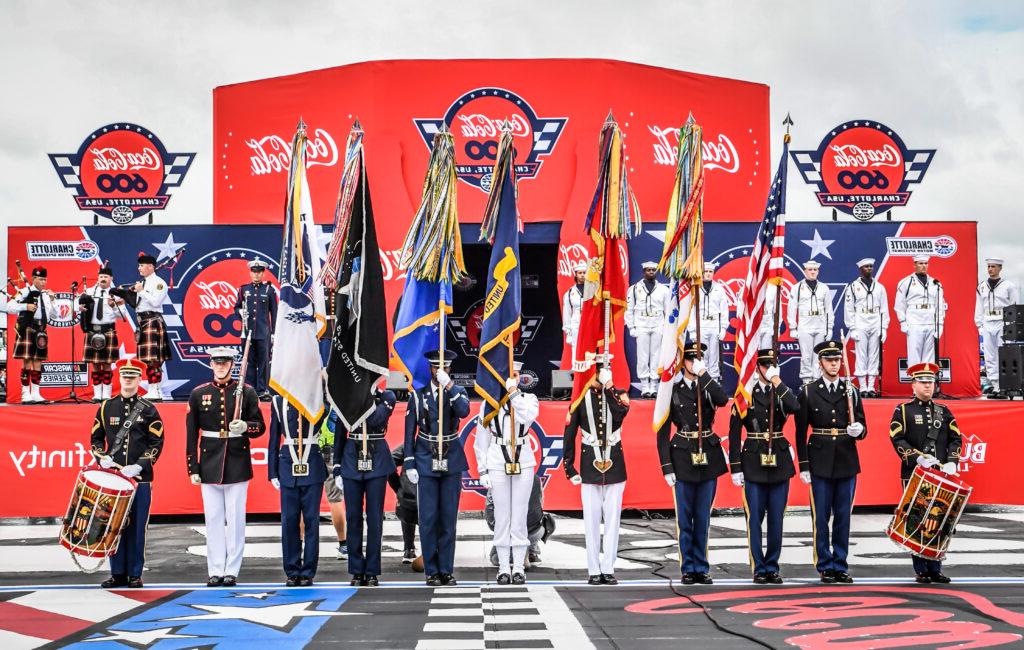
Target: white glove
[
  {"x": 949, "y": 468},
  {"x": 414, "y": 476},
  {"x": 903, "y": 327},
  {"x": 771, "y": 373},
  {"x": 238, "y": 426},
  {"x": 442, "y": 378},
  {"x": 885, "y": 334},
  {"x": 938, "y": 334},
  {"x": 131, "y": 471},
  {"x": 926, "y": 461},
  {"x": 511, "y": 384},
  {"x": 855, "y": 430},
  {"x": 604, "y": 376},
  {"x": 276, "y": 483},
  {"x": 106, "y": 462},
  {"x": 340, "y": 484},
  {"x": 670, "y": 479},
  {"x": 195, "y": 479},
  {"x": 805, "y": 477},
  {"x": 737, "y": 479},
  {"x": 576, "y": 480},
  {"x": 485, "y": 481},
  {"x": 854, "y": 335},
  {"x": 792, "y": 332},
  {"x": 698, "y": 366},
  {"x": 722, "y": 335}
]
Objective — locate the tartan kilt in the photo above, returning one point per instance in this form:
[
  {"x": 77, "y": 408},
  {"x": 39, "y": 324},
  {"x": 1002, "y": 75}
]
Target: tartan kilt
[
  {"x": 154, "y": 346},
  {"x": 109, "y": 354},
  {"x": 25, "y": 346}
]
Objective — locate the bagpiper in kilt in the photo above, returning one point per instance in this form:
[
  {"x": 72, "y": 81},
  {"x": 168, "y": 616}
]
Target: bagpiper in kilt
[
  {"x": 32, "y": 305},
  {"x": 99, "y": 313},
  {"x": 153, "y": 345}
]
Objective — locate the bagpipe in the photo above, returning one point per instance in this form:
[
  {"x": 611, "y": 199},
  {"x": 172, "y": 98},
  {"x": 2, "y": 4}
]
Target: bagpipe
[
  {"x": 127, "y": 291},
  {"x": 26, "y": 317}
]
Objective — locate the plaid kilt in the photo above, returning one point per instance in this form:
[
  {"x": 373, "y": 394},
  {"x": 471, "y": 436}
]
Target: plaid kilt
[
  {"x": 25, "y": 346},
  {"x": 154, "y": 346},
  {"x": 109, "y": 354}
]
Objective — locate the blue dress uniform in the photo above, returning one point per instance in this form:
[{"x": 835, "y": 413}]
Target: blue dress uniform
[
  {"x": 300, "y": 495},
  {"x": 141, "y": 446},
  {"x": 365, "y": 482},
  {"x": 829, "y": 454},
  {"x": 437, "y": 491},
  {"x": 695, "y": 482},
  {"x": 260, "y": 301},
  {"x": 765, "y": 461},
  {"x": 921, "y": 431}
]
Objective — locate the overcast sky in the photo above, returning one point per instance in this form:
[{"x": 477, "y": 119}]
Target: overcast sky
[{"x": 944, "y": 75}]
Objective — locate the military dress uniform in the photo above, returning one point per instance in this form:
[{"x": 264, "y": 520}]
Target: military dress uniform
[
  {"x": 764, "y": 459},
  {"x": 260, "y": 303},
  {"x": 714, "y": 322},
  {"x": 925, "y": 433},
  {"x": 764, "y": 338},
  {"x": 572, "y": 308},
  {"x": 829, "y": 455},
  {"x": 920, "y": 307},
  {"x": 221, "y": 458},
  {"x": 136, "y": 451},
  {"x": 993, "y": 296},
  {"x": 438, "y": 490},
  {"x": 602, "y": 472},
  {"x": 293, "y": 445},
  {"x": 811, "y": 319},
  {"x": 365, "y": 478},
  {"x": 30, "y": 331},
  {"x": 645, "y": 317},
  {"x": 692, "y": 459},
  {"x": 866, "y": 312}
]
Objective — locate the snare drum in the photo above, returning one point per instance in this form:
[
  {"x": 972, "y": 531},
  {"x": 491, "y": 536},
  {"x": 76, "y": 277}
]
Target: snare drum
[
  {"x": 97, "y": 513},
  {"x": 926, "y": 516}
]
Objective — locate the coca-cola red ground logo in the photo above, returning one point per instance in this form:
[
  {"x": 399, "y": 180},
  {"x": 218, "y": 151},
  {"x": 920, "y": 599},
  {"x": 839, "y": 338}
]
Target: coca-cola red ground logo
[
  {"x": 121, "y": 172},
  {"x": 862, "y": 168},
  {"x": 475, "y": 120}
]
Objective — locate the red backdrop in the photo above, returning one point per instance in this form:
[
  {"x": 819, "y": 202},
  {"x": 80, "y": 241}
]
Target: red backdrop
[{"x": 38, "y": 471}]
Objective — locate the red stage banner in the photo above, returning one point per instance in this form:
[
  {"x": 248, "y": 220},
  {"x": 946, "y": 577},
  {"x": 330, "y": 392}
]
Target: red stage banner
[{"x": 39, "y": 470}]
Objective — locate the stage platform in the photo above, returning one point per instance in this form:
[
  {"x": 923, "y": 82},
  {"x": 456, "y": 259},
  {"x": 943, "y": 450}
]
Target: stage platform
[{"x": 45, "y": 446}]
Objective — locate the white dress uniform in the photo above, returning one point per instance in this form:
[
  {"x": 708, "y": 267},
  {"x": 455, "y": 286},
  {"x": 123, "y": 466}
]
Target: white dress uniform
[
  {"x": 988, "y": 316},
  {"x": 764, "y": 337},
  {"x": 811, "y": 316},
  {"x": 572, "y": 306},
  {"x": 153, "y": 294},
  {"x": 920, "y": 307},
  {"x": 509, "y": 492},
  {"x": 714, "y": 323},
  {"x": 645, "y": 318},
  {"x": 866, "y": 313}
]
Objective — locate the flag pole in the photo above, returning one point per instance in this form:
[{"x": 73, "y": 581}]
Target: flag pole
[
  {"x": 775, "y": 319},
  {"x": 511, "y": 413},
  {"x": 440, "y": 388},
  {"x": 697, "y": 288}
]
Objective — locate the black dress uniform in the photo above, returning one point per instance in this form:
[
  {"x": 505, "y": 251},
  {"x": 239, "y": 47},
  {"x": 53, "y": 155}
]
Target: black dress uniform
[
  {"x": 694, "y": 457},
  {"x": 365, "y": 479},
  {"x": 438, "y": 490},
  {"x": 300, "y": 494},
  {"x": 918, "y": 430},
  {"x": 260, "y": 302},
  {"x": 602, "y": 472},
  {"x": 140, "y": 446},
  {"x": 764, "y": 459},
  {"x": 829, "y": 454}
]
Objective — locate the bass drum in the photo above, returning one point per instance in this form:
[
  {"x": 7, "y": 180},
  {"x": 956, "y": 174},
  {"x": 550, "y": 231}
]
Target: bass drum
[{"x": 928, "y": 512}]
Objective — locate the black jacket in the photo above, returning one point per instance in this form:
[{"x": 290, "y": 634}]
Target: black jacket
[
  {"x": 210, "y": 408},
  {"x": 674, "y": 451},
  {"x": 405, "y": 491},
  {"x": 618, "y": 406},
  {"x": 828, "y": 456},
  {"x": 745, "y": 456},
  {"x": 913, "y": 432},
  {"x": 145, "y": 437}
]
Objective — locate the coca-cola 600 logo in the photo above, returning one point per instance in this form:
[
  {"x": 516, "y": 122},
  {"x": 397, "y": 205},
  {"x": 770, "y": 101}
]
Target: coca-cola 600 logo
[
  {"x": 476, "y": 119},
  {"x": 121, "y": 172},
  {"x": 863, "y": 168}
]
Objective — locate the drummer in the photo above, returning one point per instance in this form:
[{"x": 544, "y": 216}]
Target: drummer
[
  {"x": 128, "y": 434},
  {"x": 925, "y": 433}
]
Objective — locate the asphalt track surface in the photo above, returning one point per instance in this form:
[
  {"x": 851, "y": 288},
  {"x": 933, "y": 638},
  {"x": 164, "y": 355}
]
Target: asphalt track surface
[{"x": 46, "y": 602}]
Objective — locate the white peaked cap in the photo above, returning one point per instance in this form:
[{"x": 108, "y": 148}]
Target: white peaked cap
[{"x": 517, "y": 365}]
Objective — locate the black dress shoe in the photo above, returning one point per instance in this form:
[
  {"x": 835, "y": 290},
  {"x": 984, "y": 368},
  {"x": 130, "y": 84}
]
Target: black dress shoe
[
  {"x": 594, "y": 580},
  {"x": 305, "y": 581},
  {"x": 435, "y": 580},
  {"x": 774, "y": 578},
  {"x": 357, "y": 581},
  {"x": 114, "y": 581},
  {"x": 533, "y": 557},
  {"x": 923, "y": 579},
  {"x": 939, "y": 578},
  {"x": 230, "y": 581},
  {"x": 518, "y": 579},
  {"x": 688, "y": 579},
  {"x": 828, "y": 577},
  {"x": 408, "y": 556},
  {"x": 504, "y": 579},
  {"x": 215, "y": 581},
  {"x": 292, "y": 581},
  {"x": 703, "y": 579},
  {"x": 843, "y": 577},
  {"x": 371, "y": 581},
  {"x": 760, "y": 579},
  {"x": 448, "y": 580},
  {"x": 134, "y": 582},
  {"x": 608, "y": 579}
]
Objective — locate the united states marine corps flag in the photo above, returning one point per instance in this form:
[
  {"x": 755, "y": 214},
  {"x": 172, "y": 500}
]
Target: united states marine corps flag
[
  {"x": 609, "y": 224},
  {"x": 503, "y": 307},
  {"x": 359, "y": 354},
  {"x": 296, "y": 369}
]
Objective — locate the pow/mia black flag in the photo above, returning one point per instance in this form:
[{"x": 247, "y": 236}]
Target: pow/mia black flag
[{"x": 359, "y": 349}]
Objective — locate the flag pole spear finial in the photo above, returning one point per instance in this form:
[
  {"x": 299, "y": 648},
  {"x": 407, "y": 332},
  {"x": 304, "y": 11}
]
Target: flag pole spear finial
[
  {"x": 301, "y": 125},
  {"x": 788, "y": 122}
]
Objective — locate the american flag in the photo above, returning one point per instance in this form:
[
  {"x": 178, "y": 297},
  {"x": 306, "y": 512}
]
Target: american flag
[{"x": 766, "y": 264}]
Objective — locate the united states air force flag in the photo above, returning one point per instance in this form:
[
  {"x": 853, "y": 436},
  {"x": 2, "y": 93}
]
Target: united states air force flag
[{"x": 417, "y": 326}]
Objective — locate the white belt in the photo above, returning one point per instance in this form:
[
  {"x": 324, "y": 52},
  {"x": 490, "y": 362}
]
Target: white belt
[
  {"x": 291, "y": 442},
  {"x": 591, "y": 439},
  {"x": 220, "y": 434}
]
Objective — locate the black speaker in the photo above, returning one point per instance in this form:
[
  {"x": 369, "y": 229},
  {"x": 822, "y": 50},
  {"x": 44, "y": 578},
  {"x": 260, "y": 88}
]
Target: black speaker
[
  {"x": 1011, "y": 366},
  {"x": 1013, "y": 314},
  {"x": 1013, "y": 331}
]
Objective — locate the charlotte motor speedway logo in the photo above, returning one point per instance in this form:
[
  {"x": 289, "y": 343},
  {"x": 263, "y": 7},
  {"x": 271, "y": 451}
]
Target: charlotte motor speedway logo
[
  {"x": 475, "y": 120},
  {"x": 82, "y": 250},
  {"x": 941, "y": 246},
  {"x": 121, "y": 172}
]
